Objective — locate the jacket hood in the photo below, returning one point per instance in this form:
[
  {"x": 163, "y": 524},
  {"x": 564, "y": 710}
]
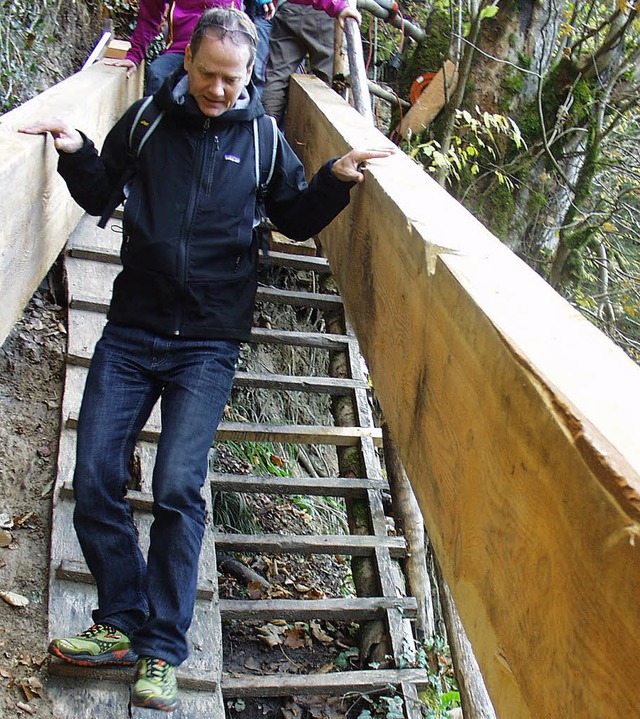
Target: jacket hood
[{"x": 174, "y": 97}]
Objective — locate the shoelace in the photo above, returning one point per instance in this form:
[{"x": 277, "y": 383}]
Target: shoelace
[
  {"x": 97, "y": 629},
  {"x": 156, "y": 669}
]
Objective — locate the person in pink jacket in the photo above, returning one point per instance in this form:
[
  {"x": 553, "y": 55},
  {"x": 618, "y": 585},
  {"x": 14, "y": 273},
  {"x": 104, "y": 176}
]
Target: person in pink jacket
[
  {"x": 181, "y": 18},
  {"x": 297, "y": 32}
]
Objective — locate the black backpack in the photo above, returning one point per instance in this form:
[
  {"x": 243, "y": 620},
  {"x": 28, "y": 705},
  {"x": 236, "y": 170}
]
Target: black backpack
[{"x": 265, "y": 143}]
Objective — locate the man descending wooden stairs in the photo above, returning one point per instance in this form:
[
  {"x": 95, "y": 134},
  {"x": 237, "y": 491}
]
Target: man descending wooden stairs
[{"x": 78, "y": 692}]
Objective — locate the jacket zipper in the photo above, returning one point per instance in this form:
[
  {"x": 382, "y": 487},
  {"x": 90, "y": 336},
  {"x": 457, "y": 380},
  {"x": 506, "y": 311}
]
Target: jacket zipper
[{"x": 201, "y": 163}]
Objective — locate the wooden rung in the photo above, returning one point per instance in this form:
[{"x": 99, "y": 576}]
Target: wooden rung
[
  {"x": 97, "y": 254},
  {"x": 311, "y": 486},
  {"x": 125, "y": 675},
  {"x": 73, "y": 570},
  {"x": 297, "y": 434},
  {"x": 299, "y": 262},
  {"x": 253, "y": 432},
  {"x": 264, "y": 294},
  {"x": 281, "y": 259},
  {"x": 326, "y": 385},
  {"x": 354, "y": 545},
  {"x": 317, "y": 486},
  {"x": 332, "y": 342},
  {"x": 296, "y": 298},
  {"x": 332, "y": 684},
  {"x": 353, "y": 609}
]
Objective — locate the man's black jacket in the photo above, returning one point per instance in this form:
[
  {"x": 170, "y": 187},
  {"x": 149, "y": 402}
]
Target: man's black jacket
[{"x": 190, "y": 255}]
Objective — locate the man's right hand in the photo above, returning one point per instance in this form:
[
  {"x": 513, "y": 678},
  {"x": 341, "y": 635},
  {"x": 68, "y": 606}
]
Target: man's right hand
[{"x": 65, "y": 138}]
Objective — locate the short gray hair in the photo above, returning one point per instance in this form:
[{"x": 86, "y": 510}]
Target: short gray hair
[{"x": 223, "y": 22}]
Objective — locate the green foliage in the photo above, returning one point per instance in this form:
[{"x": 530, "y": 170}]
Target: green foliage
[{"x": 475, "y": 147}]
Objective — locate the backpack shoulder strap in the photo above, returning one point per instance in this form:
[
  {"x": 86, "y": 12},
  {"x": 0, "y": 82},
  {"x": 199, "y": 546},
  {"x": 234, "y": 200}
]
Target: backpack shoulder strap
[
  {"x": 266, "y": 149},
  {"x": 265, "y": 145},
  {"x": 144, "y": 123}
]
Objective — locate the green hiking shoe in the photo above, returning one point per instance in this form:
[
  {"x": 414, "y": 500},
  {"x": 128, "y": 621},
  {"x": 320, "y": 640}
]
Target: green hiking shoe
[
  {"x": 100, "y": 644},
  {"x": 155, "y": 685}
]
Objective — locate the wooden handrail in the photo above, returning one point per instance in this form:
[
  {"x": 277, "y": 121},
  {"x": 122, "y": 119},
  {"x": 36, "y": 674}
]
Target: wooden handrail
[{"x": 516, "y": 420}]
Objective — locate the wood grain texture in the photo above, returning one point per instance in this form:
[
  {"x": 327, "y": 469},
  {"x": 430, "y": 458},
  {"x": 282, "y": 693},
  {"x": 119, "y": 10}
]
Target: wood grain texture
[
  {"x": 35, "y": 228},
  {"x": 516, "y": 420}
]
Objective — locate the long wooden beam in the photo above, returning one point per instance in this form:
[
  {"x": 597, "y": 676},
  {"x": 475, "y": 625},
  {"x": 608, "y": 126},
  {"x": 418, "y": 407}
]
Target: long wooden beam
[
  {"x": 37, "y": 213},
  {"x": 517, "y": 422}
]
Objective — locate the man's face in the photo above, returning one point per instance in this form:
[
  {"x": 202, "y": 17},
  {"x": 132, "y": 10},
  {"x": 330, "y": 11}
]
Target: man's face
[{"x": 217, "y": 73}]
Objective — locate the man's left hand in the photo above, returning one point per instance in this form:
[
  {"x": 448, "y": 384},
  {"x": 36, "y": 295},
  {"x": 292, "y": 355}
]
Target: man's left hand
[{"x": 349, "y": 167}]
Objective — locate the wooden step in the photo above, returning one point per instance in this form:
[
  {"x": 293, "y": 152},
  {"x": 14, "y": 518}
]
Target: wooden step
[
  {"x": 274, "y": 295},
  {"x": 58, "y": 667},
  {"x": 331, "y": 684},
  {"x": 287, "y": 434},
  {"x": 298, "y": 383},
  {"x": 87, "y": 251},
  {"x": 276, "y": 382},
  {"x": 73, "y": 570},
  {"x": 350, "y": 609},
  {"x": 316, "y": 486},
  {"x": 353, "y": 545}
]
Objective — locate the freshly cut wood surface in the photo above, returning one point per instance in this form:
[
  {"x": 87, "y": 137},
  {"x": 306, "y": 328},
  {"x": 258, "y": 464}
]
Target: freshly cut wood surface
[
  {"x": 516, "y": 420},
  {"x": 430, "y": 102}
]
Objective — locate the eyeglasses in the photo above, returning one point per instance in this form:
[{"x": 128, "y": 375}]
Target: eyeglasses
[{"x": 223, "y": 31}]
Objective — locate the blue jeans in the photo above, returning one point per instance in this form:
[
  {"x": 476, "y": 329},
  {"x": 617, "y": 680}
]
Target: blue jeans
[
  {"x": 131, "y": 369},
  {"x": 162, "y": 66}
]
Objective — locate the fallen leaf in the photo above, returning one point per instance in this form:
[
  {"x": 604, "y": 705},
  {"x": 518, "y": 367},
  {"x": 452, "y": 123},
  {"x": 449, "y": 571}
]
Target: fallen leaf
[
  {"x": 253, "y": 665},
  {"x": 295, "y": 638},
  {"x": 25, "y": 708},
  {"x": 5, "y": 521},
  {"x": 15, "y": 600},
  {"x": 5, "y": 673},
  {"x": 36, "y": 686},
  {"x": 26, "y": 690},
  {"x": 320, "y": 635},
  {"x": 270, "y": 635},
  {"x": 255, "y": 590},
  {"x": 278, "y": 461},
  {"x": 302, "y": 588},
  {"x": 5, "y": 538}
]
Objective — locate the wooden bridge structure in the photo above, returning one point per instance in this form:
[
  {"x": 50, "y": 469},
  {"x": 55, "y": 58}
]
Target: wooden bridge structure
[{"x": 516, "y": 420}]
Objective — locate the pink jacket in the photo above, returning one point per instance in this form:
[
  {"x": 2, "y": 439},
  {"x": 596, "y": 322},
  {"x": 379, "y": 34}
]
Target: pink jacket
[
  {"x": 183, "y": 16},
  {"x": 181, "y": 20},
  {"x": 333, "y": 8}
]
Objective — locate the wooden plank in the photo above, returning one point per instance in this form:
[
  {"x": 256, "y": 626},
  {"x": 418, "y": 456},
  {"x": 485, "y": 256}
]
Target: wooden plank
[
  {"x": 331, "y": 684},
  {"x": 92, "y": 280},
  {"x": 525, "y": 460},
  {"x": 249, "y": 431},
  {"x": 430, "y": 102},
  {"x": 295, "y": 298},
  {"x": 318, "y": 486},
  {"x": 116, "y": 674},
  {"x": 73, "y": 570},
  {"x": 87, "y": 324},
  {"x": 351, "y": 545},
  {"x": 353, "y": 609},
  {"x": 104, "y": 251},
  {"x": 35, "y": 227},
  {"x": 297, "y": 383}
]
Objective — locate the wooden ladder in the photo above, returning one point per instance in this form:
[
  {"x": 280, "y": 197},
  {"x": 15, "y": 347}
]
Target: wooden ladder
[{"x": 78, "y": 692}]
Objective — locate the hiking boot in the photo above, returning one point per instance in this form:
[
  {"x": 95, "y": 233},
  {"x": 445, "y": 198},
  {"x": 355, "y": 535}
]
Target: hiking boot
[
  {"x": 100, "y": 644},
  {"x": 155, "y": 685}
]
